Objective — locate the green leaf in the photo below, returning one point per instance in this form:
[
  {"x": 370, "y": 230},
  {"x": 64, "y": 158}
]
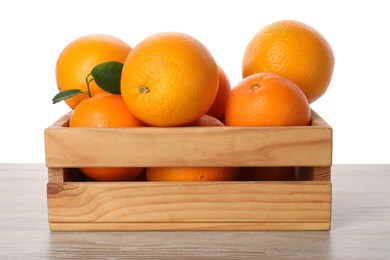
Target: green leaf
[
  {"x": 66, "y": 94},
  {"x": 108, "y": 76}
]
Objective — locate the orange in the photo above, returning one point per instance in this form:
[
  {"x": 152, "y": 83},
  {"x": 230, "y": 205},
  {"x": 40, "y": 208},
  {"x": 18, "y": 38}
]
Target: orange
[
  {"x": 112, "y": 174},
  {"x": 217, "y": 110},
  {"x": 266, "y": 173},
  {"x": 294, "y": 50},
  {"x": 267, "y": 99},
  {"x": 80, "y": 56},
  {"x": 194, "y": 173},
  {"x": 105, "y": 110},
  {"x": 169, "y": 79}
]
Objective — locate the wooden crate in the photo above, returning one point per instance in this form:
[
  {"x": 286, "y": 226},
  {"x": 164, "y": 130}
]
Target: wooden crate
[{"x": 75, "y": 203}]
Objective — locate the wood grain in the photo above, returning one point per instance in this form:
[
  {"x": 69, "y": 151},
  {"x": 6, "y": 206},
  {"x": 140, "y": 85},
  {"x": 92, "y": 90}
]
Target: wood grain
[
  {"x": 189, "y": 146},
  {"x": 191, "y": 202},
  {"x": 313, "y": 173}
]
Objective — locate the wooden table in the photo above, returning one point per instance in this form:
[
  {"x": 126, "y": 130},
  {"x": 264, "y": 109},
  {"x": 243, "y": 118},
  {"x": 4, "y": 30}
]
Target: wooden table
[{"x": 360, "y": 226}]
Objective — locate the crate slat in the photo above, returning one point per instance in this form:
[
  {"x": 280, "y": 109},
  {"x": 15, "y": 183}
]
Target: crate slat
[
  {"x": 189, "y": 202},
  {"x": 189, "y": 146}
]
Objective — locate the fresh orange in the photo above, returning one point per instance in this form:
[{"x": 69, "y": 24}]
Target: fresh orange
[
  {"x": 266, "y": 173},
  {"x": 217, "y": 110},
  {"x": 194, "y": 173},
  {"x": 80, "y": 56},
  {"x": 294, "y": 50},
  {"x": 267, "y": 99},
  {"x": 106, "y": 110},
  {"x": 112, "y": 174},
  {"x": 169, "y": 79}
]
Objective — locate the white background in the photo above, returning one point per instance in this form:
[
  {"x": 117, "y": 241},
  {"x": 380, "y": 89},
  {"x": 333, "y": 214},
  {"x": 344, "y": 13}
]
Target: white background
[{"x": 33, "y": 33}]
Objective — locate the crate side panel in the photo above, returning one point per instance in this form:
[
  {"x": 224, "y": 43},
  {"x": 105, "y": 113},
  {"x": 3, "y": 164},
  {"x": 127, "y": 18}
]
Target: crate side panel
[
  {"x": 189, "y": 202},
  {"x": 206, "y": 146},
  {"x": 55, "y": 174},
  {"x": 313, "y": 173},
  {"x": 322, "y": 173}
]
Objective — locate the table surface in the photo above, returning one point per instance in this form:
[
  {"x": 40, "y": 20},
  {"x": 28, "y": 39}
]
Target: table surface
[{"x": 360, "y": 226}]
